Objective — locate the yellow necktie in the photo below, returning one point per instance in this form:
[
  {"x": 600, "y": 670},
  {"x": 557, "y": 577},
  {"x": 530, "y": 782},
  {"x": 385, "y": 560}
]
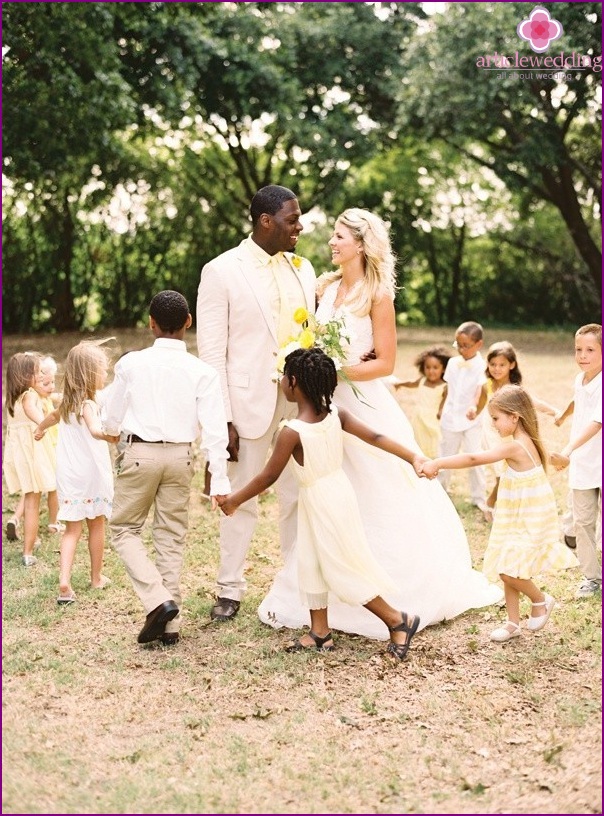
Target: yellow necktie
[{"x": 285, "y": 317}]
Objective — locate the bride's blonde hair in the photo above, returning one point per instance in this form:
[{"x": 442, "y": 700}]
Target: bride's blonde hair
[{"x": 380, "y": 274}]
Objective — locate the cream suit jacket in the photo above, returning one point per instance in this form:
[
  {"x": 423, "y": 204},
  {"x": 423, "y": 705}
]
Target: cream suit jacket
[{"x": 236, "y": 334}]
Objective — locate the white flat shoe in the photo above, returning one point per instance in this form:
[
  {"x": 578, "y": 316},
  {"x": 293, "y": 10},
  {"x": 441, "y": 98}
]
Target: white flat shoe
[
  {"x": 503, "y": 633},
  {"x": 534, "y": 624}
]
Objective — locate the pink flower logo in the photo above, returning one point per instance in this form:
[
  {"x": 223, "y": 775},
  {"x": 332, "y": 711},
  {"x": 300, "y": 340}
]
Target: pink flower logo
[{"x": 540, "y": 30}]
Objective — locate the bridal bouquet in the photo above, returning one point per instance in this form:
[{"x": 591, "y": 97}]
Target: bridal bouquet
[{"x": 332, "y": 337}]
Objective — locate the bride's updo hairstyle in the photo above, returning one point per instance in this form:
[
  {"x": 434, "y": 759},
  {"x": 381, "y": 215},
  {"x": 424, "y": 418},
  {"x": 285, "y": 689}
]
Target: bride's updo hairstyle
[{"x": 380, "y": 275}]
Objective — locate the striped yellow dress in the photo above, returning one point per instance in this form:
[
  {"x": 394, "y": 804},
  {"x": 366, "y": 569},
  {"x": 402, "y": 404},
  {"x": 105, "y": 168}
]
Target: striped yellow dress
[{"x": 525, "y": 537}]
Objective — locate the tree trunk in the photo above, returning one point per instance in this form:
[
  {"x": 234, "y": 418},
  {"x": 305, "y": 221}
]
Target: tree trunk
[
  {"x": 459, "y": 237},
  {"x": 564, "y": 197},
  {"x": 64, "y": 318}
]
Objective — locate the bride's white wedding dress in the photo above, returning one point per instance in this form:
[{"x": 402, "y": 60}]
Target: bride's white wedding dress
[{"x": 411, "y": 524}]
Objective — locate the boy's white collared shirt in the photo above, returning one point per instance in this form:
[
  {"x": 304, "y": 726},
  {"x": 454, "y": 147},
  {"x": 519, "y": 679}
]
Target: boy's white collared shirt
[
  {"x": 463, "y": 378},
  {"x": 585, "y": 470}
]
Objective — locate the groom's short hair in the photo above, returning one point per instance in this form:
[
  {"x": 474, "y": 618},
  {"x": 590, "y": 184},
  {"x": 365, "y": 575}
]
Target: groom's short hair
[
  {"x": 269, "y": 200},
  {"x": 170, "y": 310}
]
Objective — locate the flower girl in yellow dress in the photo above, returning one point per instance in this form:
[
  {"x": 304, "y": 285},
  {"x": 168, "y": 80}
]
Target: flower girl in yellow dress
[
  {"x": 525, "y": 537},
  {"x": 333, "y": 553}
]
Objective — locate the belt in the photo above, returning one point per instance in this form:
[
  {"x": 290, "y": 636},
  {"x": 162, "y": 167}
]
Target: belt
[{"x": 134, "y": 438}]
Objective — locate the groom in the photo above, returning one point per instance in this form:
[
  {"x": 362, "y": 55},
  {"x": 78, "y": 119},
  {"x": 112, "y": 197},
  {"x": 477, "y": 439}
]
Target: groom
[{"x": 246, "y": 300}]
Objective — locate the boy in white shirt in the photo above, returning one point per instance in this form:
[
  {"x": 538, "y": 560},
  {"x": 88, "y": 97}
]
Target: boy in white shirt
[
  {"x": 584, "y": 454},
  {"x": 162, "y": 398},
  {"x": 460, "y": 426}
]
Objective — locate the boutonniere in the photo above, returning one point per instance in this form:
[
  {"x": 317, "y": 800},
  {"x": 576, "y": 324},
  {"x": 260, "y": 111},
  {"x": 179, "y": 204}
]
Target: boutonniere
[{"x": 296, "y": 261}]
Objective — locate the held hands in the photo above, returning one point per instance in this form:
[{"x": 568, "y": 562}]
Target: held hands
[
  {"x": 38, "y": 434},
  {"x": 472, "y": 412},
  {"x": 113, "y": 439},
  {"x": 226, "y": 504},
  {"x": 559, "y": 460},
  {"x": 418, "y": 464},
  {"x": 430, "y": 469}
]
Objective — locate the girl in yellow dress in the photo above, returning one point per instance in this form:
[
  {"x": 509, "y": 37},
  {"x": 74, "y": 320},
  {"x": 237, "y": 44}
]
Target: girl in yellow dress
[
  {"x": 502, "y": 369},
  {"x": 431, "y": 387},
  {"x": 525, "y": 537},
  {"x": 333, "y": 553},
  {"x": 29, "y": 467}
]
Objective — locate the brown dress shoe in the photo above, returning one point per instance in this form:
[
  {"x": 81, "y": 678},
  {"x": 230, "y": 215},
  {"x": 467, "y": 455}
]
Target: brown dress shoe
[
  {"x": 156, "y": 620},
  {"x": 224, "y": 609}
]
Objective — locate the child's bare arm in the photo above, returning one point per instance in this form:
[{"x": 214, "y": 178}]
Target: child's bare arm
[
  {"x": 354, "y": 426},
  {"x": 93, "y": 423},
  {"x": 31, "y": 408},
  {"x": 559, "y": 418},
  {"x": 49, "y": 420},
  {"x": 545, "y": 407},
  {"x": 442, "y": 402},
  {"x": 287, "y": 441},
  {"x": 562, "y": 459},
  {"x": 464, "y": 460},
  {"x": 480, "y": 400},
  {"x": 408, "y": 383}
]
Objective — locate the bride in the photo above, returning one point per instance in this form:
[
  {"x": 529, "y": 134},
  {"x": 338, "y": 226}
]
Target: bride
[{"x": 411, "y": 524}]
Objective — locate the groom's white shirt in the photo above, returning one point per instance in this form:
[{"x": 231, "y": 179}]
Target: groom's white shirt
[{"x": 237, "y": 334}]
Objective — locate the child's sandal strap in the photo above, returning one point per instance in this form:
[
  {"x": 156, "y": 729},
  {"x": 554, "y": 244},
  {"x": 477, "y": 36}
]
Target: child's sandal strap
[
  {"x": 321, "y": 641},
  {"x": 409, "y": 627},
  {"x": 298, "y": 646}
]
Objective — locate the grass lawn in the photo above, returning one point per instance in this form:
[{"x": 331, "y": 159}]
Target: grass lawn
[{"x": 226, "y": 722}]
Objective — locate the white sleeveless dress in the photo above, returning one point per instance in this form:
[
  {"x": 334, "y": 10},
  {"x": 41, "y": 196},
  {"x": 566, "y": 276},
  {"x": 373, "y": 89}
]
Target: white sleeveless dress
[{"x": 411, "y": 525}]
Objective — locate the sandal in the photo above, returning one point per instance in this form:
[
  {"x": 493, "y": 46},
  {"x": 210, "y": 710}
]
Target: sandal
[
  {"x": 298, "y": 646},
  {"x": 64, "y": 600},
  {"x": 57, "y": 527},
  {"x": 534, "y": 624},
  {"x": 12, "y": 529},
  {"x": 105, "y": 582},
  {"x": 502, "y": 633},
  {"x": 399, "y": 650}
]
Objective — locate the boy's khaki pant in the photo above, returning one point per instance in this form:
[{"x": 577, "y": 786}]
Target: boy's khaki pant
[
  {"x": 587, "y": 510},
  {"x": 153, "y": 474}
]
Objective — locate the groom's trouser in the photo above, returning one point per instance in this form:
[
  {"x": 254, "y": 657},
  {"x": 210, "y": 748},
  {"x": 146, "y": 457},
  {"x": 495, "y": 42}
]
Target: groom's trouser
[{"x": 236, "y": 531}]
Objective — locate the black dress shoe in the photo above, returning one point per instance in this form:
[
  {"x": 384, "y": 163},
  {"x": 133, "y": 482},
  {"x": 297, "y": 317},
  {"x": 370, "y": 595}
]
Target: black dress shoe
[
  {"x": 170, "y": 638},
  {"x": 224, "y": 609},
  {"x": 155, "y": 623},
  {"x": 571, "y": 542}
]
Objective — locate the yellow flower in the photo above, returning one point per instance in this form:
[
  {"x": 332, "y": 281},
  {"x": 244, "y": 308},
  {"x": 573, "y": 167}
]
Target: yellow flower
[
  {"x": 300, "y": 315},
  {"x": 297, "y": 262},
  {"x": 306, "y": 338}
]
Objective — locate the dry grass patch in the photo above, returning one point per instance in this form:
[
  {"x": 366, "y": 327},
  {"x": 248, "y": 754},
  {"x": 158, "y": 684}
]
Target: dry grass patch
[{"x": 226, "y": 722}]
